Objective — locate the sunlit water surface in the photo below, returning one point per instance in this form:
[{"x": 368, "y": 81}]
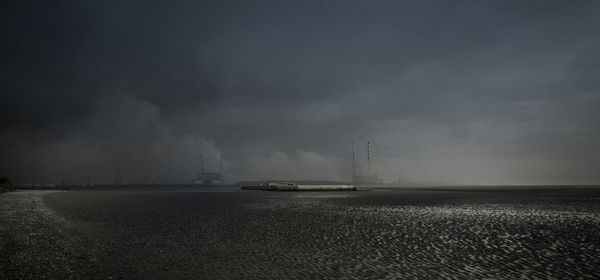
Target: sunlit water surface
[{"x": 424, "y": 234}]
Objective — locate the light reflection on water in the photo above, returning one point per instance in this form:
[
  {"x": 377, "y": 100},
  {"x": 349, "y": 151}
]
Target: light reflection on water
[{"x": 353, "y": 235}]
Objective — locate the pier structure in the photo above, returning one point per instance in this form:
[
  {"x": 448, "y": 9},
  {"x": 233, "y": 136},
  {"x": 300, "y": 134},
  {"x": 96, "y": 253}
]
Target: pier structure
[{"x": 292, "y": 186}]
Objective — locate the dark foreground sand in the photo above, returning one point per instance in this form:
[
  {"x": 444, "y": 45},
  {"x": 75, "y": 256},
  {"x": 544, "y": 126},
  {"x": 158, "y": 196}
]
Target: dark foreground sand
[
  {"x": 230, "y": 234},
  {"x": 36, "y": 243}
]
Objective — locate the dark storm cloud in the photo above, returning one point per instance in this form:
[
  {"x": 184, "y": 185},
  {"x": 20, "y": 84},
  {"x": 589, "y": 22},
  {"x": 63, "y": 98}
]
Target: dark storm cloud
[{"x": 467, "y": 91}]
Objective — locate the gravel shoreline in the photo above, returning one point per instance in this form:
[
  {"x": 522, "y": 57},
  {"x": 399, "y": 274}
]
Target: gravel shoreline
[{"x": 36, "y": 243}]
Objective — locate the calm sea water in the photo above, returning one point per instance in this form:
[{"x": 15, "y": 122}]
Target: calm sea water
[{"x": 378, "y": 234}]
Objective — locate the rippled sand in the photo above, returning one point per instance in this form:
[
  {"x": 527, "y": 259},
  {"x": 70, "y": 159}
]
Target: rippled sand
[{"x": 414, "y": 234}]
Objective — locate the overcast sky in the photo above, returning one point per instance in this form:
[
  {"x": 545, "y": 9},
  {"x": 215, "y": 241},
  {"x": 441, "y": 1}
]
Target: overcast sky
[{"x": 466, "y": 92}]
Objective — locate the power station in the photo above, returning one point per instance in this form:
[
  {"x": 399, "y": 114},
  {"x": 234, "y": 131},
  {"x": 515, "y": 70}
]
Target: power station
[
  {"x": 364, "y": 176},
  {"x": 209, "y": 178}
]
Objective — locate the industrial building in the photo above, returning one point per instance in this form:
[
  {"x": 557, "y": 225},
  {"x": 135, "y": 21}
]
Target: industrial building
[{"x": 209, "y": 177}]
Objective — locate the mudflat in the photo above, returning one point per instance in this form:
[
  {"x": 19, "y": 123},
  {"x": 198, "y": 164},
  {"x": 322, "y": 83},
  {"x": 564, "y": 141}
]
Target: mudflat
[
  {"x": 546, "y": 233},
  {"x": 36, "y": 243}
]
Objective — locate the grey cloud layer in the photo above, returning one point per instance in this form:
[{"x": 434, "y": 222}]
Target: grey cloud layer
[{"x": 465, "y": 92}]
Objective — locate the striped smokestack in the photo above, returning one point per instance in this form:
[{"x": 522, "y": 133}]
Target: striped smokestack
[
  {"x": 353, "y": 163},
  {"x": 369, "y": 156}
]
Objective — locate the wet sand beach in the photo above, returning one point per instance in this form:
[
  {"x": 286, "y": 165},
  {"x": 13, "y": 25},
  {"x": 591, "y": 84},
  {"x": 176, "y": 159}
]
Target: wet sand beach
[
  {"x": 230, "y": 234},
  {"x": 36, "y": 243}
]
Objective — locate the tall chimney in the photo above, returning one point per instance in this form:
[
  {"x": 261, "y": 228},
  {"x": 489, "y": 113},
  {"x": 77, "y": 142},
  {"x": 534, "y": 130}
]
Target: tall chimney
[
  {"x": 201, "y": 163},
  {"x": 353, "y": 163},
  {"x": 220, "y": 164},
  {"x": 369, "y": 156}
]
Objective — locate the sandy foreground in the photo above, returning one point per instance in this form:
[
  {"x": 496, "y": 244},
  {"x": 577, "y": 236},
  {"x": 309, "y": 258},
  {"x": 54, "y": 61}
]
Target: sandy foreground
[
  {"x": 36, "y": 243},
  {"x": 231, "y": 234}
]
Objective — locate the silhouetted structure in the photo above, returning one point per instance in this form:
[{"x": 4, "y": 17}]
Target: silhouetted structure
[
  {"x": 367, "y": 177},
  {"x": 209, "y": 178}
]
